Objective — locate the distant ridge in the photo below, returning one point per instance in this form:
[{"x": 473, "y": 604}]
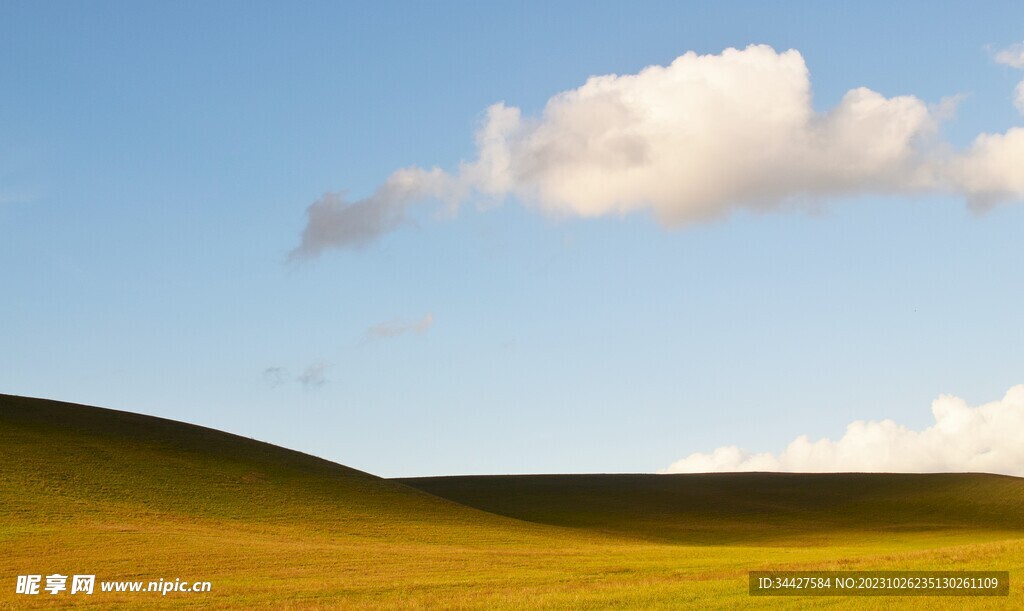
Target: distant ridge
[{"x": 745, "y": 507}]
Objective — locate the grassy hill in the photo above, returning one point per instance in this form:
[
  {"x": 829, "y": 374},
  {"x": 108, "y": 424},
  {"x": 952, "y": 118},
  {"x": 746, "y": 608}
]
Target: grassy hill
[
  {"x": 126, "y": 497},
  {"x": 717, "y": 508},
  {"x": 70, "y": 462}
]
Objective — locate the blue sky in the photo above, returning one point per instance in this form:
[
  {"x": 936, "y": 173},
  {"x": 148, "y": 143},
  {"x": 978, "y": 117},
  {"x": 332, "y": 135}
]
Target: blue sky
[{"x": 157, "y": 161}]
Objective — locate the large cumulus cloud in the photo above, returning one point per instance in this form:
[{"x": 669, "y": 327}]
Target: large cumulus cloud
[{"x": 699, "y": 139}]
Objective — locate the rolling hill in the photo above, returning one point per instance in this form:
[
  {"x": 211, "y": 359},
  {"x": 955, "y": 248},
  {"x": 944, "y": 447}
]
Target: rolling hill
[
  {"x": 717, "y": 508},
  {"x": 131, "y": 497},
  {"x": 70, "y": 462}
]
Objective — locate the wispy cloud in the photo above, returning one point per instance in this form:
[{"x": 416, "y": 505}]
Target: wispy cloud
[
  {"x": 333, "y": 221},
  {"x": 1011, "y": 56},
  {"x": 395, "y": 328},
  {"x": 702, "y": 138},
  {"x": 986, "y": 438},
  {"x": 314, "y": 375},
  {"x": 275, "y": 376}
]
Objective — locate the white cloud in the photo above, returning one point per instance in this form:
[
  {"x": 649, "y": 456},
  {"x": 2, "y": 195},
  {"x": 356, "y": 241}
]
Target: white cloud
[
  {"x": 699, "y": 139},
  {"x": 1012, "y": 56},
  {"x": 395, "y": 328},
  {"x": 991, "y": 169},
  {"x": 986, "y": 438},
  {"x": 711, "y": 134}
]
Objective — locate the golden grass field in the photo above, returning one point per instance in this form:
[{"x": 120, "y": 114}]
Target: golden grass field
[{"x": 123, "y": 496}]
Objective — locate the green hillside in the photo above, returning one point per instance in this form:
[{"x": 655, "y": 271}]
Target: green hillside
[
  {"x": 716, "y": 508},
  {"x": 127, "y": 496},
  {"x": 131, "y": 497},
  {"x": 70, "y": 462}
]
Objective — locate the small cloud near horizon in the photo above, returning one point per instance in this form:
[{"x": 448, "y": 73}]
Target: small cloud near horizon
[
  {"x": 395, "y": 328},
  {"x": 314, "y": 375},
  {"x": 986, "y": 438},
  {"x": 275, "y": 376}
]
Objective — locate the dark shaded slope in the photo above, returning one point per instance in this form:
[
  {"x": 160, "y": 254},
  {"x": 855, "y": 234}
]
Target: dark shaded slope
[{"x": 738, "y": 507}]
